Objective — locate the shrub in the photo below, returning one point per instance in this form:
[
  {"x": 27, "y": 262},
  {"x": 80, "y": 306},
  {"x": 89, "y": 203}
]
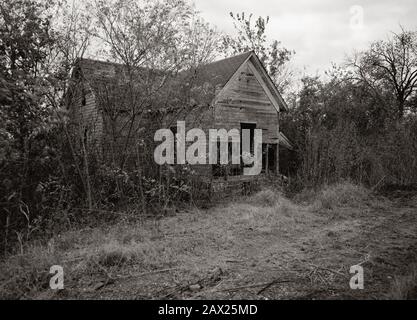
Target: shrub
[
  {"x": 25, "y": 273},
  {"x": 111, "y": 256},
  {"x": 405, "y": 287},
  {"x": 266, "y": 198},
  {"x": 341, "y": 194}
]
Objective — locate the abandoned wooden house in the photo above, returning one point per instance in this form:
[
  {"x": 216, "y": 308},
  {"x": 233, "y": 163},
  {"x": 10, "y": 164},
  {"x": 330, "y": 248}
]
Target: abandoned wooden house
[{"x": 233, "y": 93}]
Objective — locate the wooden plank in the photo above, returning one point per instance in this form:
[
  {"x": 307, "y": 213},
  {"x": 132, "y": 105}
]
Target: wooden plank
[
  {"x": 267, "y": 80},
  {"x": 264, "y": 86},
  {"x": 267, "y": 159},
  {"x": 229, "y": 83},
  {"x": 277, "y": 159}
]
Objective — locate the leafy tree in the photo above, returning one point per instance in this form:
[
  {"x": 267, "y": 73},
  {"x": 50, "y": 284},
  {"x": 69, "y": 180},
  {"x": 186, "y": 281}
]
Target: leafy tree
[
  {"x": 341, "y": 131},
  {"x": 251, "y": 36},
  {"x": 26, "y": 40},
  {"x": 36, "y": 56}
]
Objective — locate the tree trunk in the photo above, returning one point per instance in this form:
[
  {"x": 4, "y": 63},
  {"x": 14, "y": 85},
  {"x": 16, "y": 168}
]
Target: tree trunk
[{"x": 401, "y": 109}]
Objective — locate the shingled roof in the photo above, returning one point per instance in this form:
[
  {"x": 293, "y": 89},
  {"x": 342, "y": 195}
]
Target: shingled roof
[
  {"x": 95, "y": 70},
  {"x": 219, "y": 72},
  {"x": 215, "y": 74}
]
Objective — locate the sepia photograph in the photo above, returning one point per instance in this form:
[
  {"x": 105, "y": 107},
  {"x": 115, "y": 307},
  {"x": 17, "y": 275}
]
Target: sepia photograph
[{"x": 236, "y": 152}]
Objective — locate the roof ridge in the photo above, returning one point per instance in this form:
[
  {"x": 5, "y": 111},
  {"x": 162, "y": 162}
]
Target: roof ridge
[
  {"x": 203, "y": 65},
  {"x": 97, "y": 60},
  {"x": 248, "y": 53}
]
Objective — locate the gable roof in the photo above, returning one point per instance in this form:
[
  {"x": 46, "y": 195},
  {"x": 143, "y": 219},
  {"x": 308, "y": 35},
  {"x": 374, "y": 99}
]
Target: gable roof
[
  {"x": 96, "y": 70},
  {"x": 217, "y": 74},
  {"x": 282, "y": 105}
]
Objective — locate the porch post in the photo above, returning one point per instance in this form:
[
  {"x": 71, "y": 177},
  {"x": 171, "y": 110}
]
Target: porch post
[
  {"x": 277, "y": 151},
  {"x": 267, "y": 160}
]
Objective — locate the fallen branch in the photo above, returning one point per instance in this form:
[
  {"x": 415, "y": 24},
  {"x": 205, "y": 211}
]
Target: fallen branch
[
  {"x": 110, "y": 279},
  {"x": 367, "y": 257},
  {"x": 203, "y": 282},
  {"x": 379, "y": 182},
  {"x": 330, "y": 270},
  {"x": 146, "y": 273},
  {"x": 271, "y": 284},
  {"x": 263, "y": 284}
]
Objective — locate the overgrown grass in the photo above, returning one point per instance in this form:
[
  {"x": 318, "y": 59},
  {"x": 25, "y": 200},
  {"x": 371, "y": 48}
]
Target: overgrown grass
[
  {"x": 196, "y": 240},
  {"x": 85, "y": 255},
  {"x": 266, "y": 198},
  {"x": 190, "y": 239},
  {"x": 405, "y": 287},
  {"x": 329, "y": 197},
  {"x": 23, "y": 274},
  {"x": 341, "y": 195}
]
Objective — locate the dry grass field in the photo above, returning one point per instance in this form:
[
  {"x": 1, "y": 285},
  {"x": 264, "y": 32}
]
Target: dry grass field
[{"x": 261, "y": 247}]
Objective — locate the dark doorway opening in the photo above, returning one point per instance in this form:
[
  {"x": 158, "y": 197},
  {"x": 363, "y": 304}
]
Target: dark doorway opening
[{"x": 251, "y": 127}]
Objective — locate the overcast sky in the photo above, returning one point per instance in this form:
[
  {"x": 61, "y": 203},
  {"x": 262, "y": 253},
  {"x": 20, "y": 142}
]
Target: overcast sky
[{"x": 320, "y": 31}]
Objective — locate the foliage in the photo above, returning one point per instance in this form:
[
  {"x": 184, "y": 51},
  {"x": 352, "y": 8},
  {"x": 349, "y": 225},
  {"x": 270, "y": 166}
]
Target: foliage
[
  {"x": 26, "y": 119},
  {"x": 167, "y": 36},
  {"x": 341, "y": 131},
  {"x": 251, "y": 36},
  {"x": 391, "y": 66},
  {"x": 359, "y": 124},
  {"x": 340, "y": 195}
]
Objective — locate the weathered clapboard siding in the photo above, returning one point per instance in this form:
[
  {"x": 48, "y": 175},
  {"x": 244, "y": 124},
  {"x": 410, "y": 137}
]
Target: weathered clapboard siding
[
  {"x": 201, "y": 117},
  {"x": 86, "y": 118},
  {"x": 238, "y": 87},
  {"x": 245, "y": 101}
]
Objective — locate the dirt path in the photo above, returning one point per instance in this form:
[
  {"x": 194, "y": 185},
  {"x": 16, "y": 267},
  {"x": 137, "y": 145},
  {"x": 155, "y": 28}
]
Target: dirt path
[{"x": 287, "y": 251}]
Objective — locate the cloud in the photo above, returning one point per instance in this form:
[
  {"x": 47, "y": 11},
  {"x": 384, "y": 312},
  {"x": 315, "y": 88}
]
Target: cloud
[{"x": 318, "y": 30}]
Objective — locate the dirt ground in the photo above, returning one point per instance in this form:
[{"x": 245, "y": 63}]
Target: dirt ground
[{"x": 248, "y": 249}]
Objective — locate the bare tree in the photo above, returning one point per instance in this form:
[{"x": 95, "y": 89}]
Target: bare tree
[
  {"x": 251, "y": 36},
  {"x": 391, "y": 65},
  {"x": 153, "y": 41},
  {"x": 72, "y": 29}
]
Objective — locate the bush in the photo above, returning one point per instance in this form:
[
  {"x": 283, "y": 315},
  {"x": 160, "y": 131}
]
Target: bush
[
  {"x": 36, "y": 187},
  {"x": 25, "y": 273},
  {"x": 115, "y": 255},
  {"x": 266, "y": 198},
  {"x": 405, "y": 287},
  {"x": 341, "y": 194}
]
